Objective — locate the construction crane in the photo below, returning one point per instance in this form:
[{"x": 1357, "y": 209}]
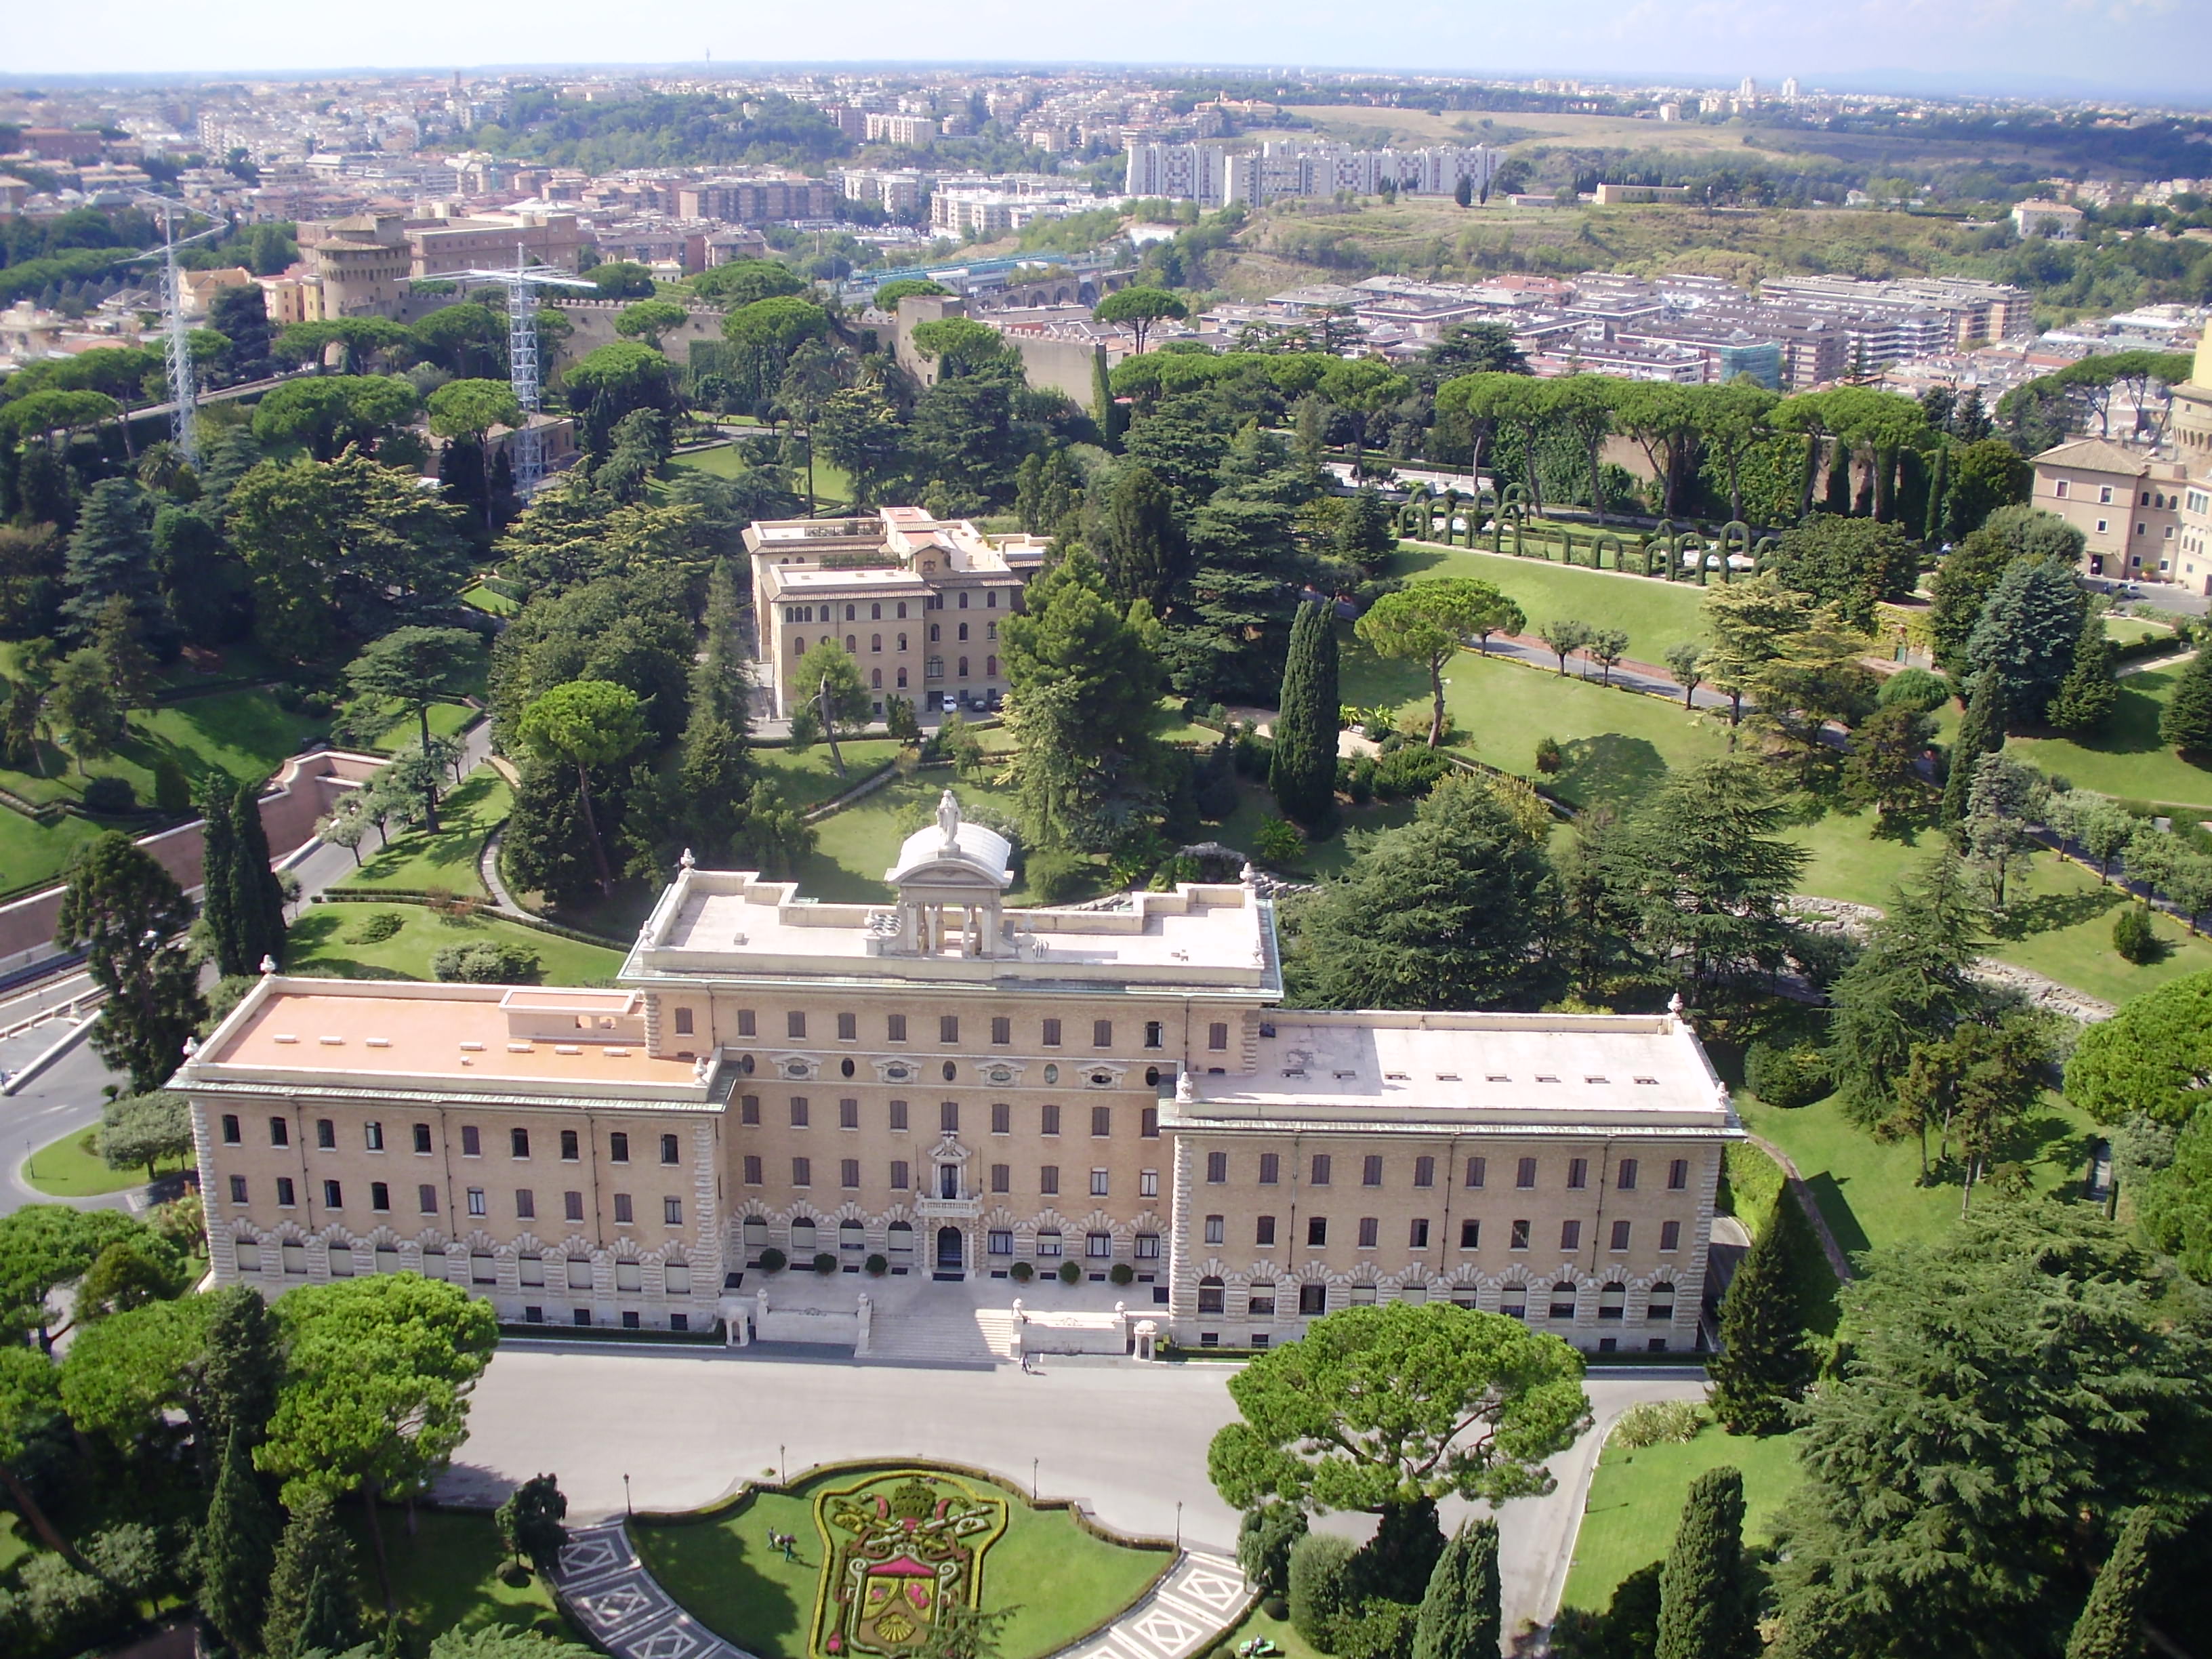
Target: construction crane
[
  {"x": 176, "y": 338},
  {"x": 527, "y": 452}
]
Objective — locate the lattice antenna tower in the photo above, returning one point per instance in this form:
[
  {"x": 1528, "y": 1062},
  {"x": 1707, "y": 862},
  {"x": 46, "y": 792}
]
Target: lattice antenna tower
[
  {"x": 176, "y": 338},
  {"x": 527, "y": 450}
]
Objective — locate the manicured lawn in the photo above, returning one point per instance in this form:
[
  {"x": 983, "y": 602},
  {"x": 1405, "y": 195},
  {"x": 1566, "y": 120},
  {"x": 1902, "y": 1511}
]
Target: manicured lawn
[
  {"x": 469, "y": 813},
  {"x": 2126, "y": 759},
  {"x": 1618, "y": 745},
  {"x": 808, "y": 779},
  {"x": 2058, "y": 921},
  {"x": 243, "y": 732},
  {"x": 446, "y": 1576},
  {"x": 326, "y": 941},
  {"x": 1257, "y": 804},
  {"x": 832, "y": 486},
  {"x": 492, "y": 604},
  {"x": 1281, "y": 1632},
  {"x": 858, "y": 844},
  {"x": 446, "y": 720},
  {"x": 33, "y": 853},
  {"x": 72, "y": 1168},
  {"x": 1657, "y": 614},
  {"x": 1636, "y": 1502},
  {"x": 1061, "y": 1581},
  {"x": 12, "y": 1547}
]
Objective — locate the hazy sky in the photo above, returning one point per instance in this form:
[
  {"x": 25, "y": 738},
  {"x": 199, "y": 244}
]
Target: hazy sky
[{"x": 2155, "y": 46}]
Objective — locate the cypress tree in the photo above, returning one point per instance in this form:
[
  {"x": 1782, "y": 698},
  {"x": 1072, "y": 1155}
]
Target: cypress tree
[
  {"x": 1460, "y": 1613},
  {"x": 260, "y": 895},
  {"x": 2111, "y": 1625},
  {"x": 1839, "y": 498},
  {"x": 1982, "y": 731},
  {"x": 312, "y": 1548},
  {"x": 219, "y": 892},
  {"x": 239, "y": 1367},
  {"x": 2087, "y": 695},
  {"x": 236, "y": 1548},
  {"x": 1939, "y": 493},
  {"x": 1702, "y": 1600},
  {"x": 1763, "y": 1364},
  {"x": 2186, "y": 725},
  {"x": 1303, "y": 772}
]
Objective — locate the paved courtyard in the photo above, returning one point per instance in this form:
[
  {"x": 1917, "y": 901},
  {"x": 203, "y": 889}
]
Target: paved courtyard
[{"x": 687, "y": 1427}]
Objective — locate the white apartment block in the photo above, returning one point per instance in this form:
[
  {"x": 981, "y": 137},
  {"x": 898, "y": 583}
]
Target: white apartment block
[{"x": 1213, "y": 176}]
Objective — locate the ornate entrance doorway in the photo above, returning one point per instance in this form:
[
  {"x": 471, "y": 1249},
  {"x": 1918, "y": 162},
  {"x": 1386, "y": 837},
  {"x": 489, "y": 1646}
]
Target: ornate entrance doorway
[{"x": 951, "y": 1250}]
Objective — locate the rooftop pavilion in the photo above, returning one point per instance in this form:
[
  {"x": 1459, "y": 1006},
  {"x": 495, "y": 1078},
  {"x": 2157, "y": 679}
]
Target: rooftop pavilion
[
  {"x": 336, "y": 1035},
  {"x": 948, "y": 923},
  {"x": 1628, "y": 1072}
]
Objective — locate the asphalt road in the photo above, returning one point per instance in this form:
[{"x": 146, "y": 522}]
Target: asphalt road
[{"x": 686, "y": 1427}]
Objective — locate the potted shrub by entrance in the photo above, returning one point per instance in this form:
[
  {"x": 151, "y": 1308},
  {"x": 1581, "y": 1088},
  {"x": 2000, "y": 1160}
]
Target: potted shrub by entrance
[
  {"x": 1022, "y": 1272},
  {"x": 772, "y": 1260},
  {"x": 1070, "y": 1272}
]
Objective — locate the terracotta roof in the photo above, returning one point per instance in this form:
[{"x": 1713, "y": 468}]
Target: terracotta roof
[{"x": 2095, "y": 455}]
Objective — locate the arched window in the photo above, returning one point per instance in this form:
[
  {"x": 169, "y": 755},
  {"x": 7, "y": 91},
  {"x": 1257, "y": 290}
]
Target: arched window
[
  {"x": 852, "y": 644},
  {"x": 991, "y": 600},
  {"x": 991, "y": 667},
  {"x": 1563, "y": 1300},
  {"x": 964, "y": 630},
  {"x": 802, "y": 1236},
  {"x": 1659, "y": 1309},
  {"x": 850, "y": 614},
  {"x": 963, "y": 598},
  {"x": 1513, "y": 1301},
  {"x": 936, "y": 632},
  {"x": 1210, "y": 1295},
  {"x": 902, "y": 679},
  {"x": 964, "y": 668},
  {"x": 876, "y": 679},
  {"x": 875, "y": 613},
  {"x": 756, "y": 1235},
  {"x": 852, "y": 1235},
  {"x": 902, "y": 644},
  {"x": 1612, "y": 1300},
  {"x": 875, "y": 642},
  {"x": 899, "y": 1237},
  {"x": 902, "y": 610}
]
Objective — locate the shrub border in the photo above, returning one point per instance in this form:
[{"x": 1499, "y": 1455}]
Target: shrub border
[{"x": 483, "y": 908}]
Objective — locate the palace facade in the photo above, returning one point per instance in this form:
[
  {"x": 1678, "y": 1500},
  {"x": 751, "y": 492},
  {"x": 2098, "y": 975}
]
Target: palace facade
[{"x": 957, "y": 1086}]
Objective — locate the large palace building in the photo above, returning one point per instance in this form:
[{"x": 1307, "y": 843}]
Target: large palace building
[{"x": 959, "y": 1087}]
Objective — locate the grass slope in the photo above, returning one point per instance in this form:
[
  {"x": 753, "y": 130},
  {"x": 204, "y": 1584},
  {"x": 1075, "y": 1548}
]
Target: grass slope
[
  {"x": 1656, "y": 614},
  {"x": 326, "y": 941},
  {"x": 1636, "y": 1500},
  {"x": 469, "y": 813},
  {"x": 72, "y": 1168},
  {"x": 1061, "y": 1581},
  {"x": 2126, "y": 759},
  {"x": 446, "y": 1575}
]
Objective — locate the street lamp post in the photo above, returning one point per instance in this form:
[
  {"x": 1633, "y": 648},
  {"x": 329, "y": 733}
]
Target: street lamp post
[
  {"x": 782, "y": 1476},
  {"x": 1178, "y": 1523},
  {"x": 1033, "y": 1483},
  {"x": 628, "y": 1511}
]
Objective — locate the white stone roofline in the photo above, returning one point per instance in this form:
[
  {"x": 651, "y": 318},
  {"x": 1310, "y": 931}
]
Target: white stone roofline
[{"x": 1450, "y": 1123}]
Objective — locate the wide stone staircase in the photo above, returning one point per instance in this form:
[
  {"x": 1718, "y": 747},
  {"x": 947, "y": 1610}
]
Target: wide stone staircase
[{"x": 965, "y": 1336}]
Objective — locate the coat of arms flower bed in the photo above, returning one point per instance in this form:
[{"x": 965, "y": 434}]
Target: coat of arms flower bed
[{"x": 899, "y": 1549}]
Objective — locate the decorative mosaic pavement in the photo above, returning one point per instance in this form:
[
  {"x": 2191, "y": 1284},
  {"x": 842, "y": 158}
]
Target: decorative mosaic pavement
[{"x": 607, "y": 1590}]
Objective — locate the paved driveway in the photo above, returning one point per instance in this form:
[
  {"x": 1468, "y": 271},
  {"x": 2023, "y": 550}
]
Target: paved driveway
[{"x": 1128, "y": 1440}]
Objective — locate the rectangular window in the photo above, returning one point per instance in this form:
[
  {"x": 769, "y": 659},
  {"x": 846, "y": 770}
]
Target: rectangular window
[
  {"x": 1102, "y": 1033},
  {"x": 668, "y": 1154},
  {"x": 1670, "y": 1236},
  {"x": 1519, "y": 1241},
  {"x": 1148, "y": 1247},
  {"x": 684, "y": 1022},
  {"x": 1626, "y": 1178},
  {"x": 1098, "y": 1183},
  {"x": 1155, "y": 1033},
  {"x": 752, "y": 1170},
  {"x": 848, "y": 1173},
  {"x": 1148, "y": 1123},
  {"x": 326, "y": 1135},
  {"x": 525, "y": 1204},
  {"x": 848, "y": 1114},
  {"x": 1678, "y": 1175},
  {"x": 569, "y": 1149},
  {"x": 745, "y": 1023},
  {"x": 571, "y": 1206},
  {"x": 901, "y": 1176},
  {"x": 1313, "y": 1299},
  {"x": 618, "y": 1147},
  {"x": 380, "y": 1197},
  {"x": 1048, "y": 1244},
  {"x": 948, "y": 1028},
  {"x": 425, "y": 1199},
  {"x": 1148, "y": 1183},
  {"x": 748, "y": 1109},
  {"x": 230, "y": 1134},
  {"x": 518, "y": 1143},
  {"x": 948, "y": 1117},
  {"x": 1000, "y": 1241},
  {"x": 799, "y": 1112},
  {"x": 1477, "y": 1172},
  {"x": 1002, "y": 1177},
  {"x": 1217, "y": 1229},
  {"x": 1470, "y": 1235},
  {"x": 1577, "y": 1173},
  {"x": 373, "y": 1136},
  {"x": 1270, "y": 1169},
  {"x": 476, "y": 1200},
  {"x": 1620, "y": 1235},
  {"x": 1102, "y": 1122},
  {"x": 472, "y": 1143},
  {"x": 1002, "y": 1118},
  {"x": 1571, "y": 1235},
  {"x": 1051, "y": 1036},
  {"x": 794, "y": 1024},
  {"x": 622, "y": 1216},
  {"x": 280, "y": 1132},
  {"x": 1048, "y": 1120},
  {"x": 1217, "y": 1036},
  {"x": 1370, "y": 1171},
  {"x": 1417, "y": 1237},
  {"x": 1320, "y": 1169},
  {"x": 898, "y": 1117},
  {"x": 1049, "y": 1179},
  {"x": 848, "y": 1028},
  {"x": 1525, "y": 1177},
  {"x": 802, "y": 1172},
  {"x": 238, "y": 1189},
  {"x": 1424, "y": 1172},
  {"x": 895, "y": 1027},
  {"x": 1370, "y": 1229},
  {"x": 1316, "y": 1231},
  {"x": 1209, "y": 1301},
  {"x": 1002, "y": 1030},
  {"x": 1263, "y": 1229},
  {"x": 1216, "y": 1169}
]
